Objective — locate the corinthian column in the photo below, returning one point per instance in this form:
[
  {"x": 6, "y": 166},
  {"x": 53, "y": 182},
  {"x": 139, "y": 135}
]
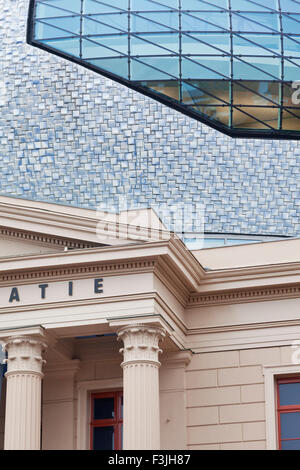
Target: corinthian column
[
  {"x": 141, "y": 386},
  {"x": 23, "y": 395}
]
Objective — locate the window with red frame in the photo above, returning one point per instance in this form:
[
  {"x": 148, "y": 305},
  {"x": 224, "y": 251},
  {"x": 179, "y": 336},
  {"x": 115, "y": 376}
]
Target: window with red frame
[
  {"x": 106, "y": 427},
  {"x": 288, "y": 409}
]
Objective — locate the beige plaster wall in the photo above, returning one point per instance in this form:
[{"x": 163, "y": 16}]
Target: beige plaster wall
[{"x": 226, "y": 397}]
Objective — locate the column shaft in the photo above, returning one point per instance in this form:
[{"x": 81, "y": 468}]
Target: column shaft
[
  {"x": 141, "y": 386},
  {"x": 141, "y": 407},
  {"x": 23, "y": 412},
  {"x": 23, "y": 393}
]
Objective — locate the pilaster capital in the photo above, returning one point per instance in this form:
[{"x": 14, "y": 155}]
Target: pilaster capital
[{"x": 141, "y": 343}]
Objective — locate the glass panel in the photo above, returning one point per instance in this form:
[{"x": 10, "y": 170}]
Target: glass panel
[
  {"x": 255, "y": 22},
  {"x": 205, "y": 92},
  {"x": 44, "y": 31},
  {"x": 291, "y": 6},
  {"x": 73, "y": 6},
  {"x": 205, "y": 68},
  {"x": 150, "y": 44},
  {"x": 199, "y": 5},
  {"x": 153, "y": 68},
  {"x": 146, "y": 5},
  {"x": 94, "y": 6},
  {"x": 103, "y": 438},
  {"x": 217, "y": 113},
  {"x": 90, "y": 50},
  {"x": 256, "y": 68},
  {"x": 45, "y": 11},
  {"x": 168, "y": 88},
  {"x": 169, "y": 19},
  {"x": 245, "y": 118},
  {"x": 292, "y": 69},
  {"x": 69, "y": 46},
  {"x": 244, "y": 5},
  {"x": 115, "y": 66},
  {"x": 70, "y": 23},
  {"x": 104, "y": 408},
  {"x": 190, "y": 22},
  {"x": 291, "y": 94},
  {"x": 291, "y": 25},
  {"x": 211, "y": 44},
  {"x": 142, "y": 24},
  {"x": 289, "y": 394},
  {"x": 213, "y": 242},
  {"x": 253, "y": 93},
  {"x": 112, "y": 45},
  {"x": 291, "y": 119},
  {"x": 98, "y": 25},
  {"x": 291, "y": 46},
  {"x": 290, "y": 425},
  {"x": 234, "y": 241},
  {"x": 116, "y": 20},
  {"x": 291, "y": 445},
  {"x": 257, "y": 44}
]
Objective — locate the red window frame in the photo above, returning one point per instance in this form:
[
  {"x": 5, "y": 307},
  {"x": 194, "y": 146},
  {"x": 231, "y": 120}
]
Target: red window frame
[
  {"x": 286, "y": 409},
  {"x": 115, "y": 422}
]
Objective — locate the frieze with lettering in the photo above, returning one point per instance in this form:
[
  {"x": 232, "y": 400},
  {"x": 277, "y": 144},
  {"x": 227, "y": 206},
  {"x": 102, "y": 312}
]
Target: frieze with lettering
[{"x": 51, "y": 292}]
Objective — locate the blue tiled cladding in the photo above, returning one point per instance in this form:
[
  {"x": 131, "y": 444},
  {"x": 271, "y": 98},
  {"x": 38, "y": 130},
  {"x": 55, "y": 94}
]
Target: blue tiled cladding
[{"x": 72, "y": 137}]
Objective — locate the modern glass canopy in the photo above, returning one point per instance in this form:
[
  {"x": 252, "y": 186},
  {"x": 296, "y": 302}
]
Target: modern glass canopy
[{"x": 232, "y": 64}]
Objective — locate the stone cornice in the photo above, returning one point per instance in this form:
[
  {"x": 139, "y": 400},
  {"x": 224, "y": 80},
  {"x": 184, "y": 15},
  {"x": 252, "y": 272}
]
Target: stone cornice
[
  {"x": 42, "y": 239},
  {"x": 73, "y": 222},
  {"x": 178, "y": 261},
  {"x": 245, "y": 296},
  {"x": 76, "y": 272}
]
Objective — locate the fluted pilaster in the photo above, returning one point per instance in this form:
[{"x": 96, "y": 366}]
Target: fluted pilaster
[
  {"x": 23, "y": 397},
  {"x": 141, "y": 386}
]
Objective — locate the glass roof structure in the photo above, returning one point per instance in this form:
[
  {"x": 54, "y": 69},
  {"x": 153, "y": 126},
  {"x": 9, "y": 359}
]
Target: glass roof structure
[{"x": 232, "y": 64}]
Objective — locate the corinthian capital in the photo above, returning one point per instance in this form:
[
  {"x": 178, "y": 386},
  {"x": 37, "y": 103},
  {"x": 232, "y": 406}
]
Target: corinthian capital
[
  {"x": 24, "y": 354},
  {"x": 141, "y": 343}
]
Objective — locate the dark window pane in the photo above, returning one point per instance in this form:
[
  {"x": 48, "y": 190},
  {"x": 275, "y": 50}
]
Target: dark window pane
[
  {"x": 290, "y": 445},
  {"x": 290, "y": 425},
  {"x": 289, "y": 394},
  {"x": 104, "y": 408},
  {"x": 168, "y": 88},
  {"x": 103, "y": 438},
  {"x": 256, "y": 93},
  {"x": 291, "y": 119},
  {"x": 205, "y": 93},
  {"x": 255, "y": 118},
  {"x": 217, "y": 113}
]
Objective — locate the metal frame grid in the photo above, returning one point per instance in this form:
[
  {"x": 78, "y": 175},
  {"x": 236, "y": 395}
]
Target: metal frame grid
[{"x": 228, "y": 63}]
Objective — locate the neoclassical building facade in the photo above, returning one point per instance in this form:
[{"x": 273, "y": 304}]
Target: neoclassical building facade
[{"x": 117, "y": 336}]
